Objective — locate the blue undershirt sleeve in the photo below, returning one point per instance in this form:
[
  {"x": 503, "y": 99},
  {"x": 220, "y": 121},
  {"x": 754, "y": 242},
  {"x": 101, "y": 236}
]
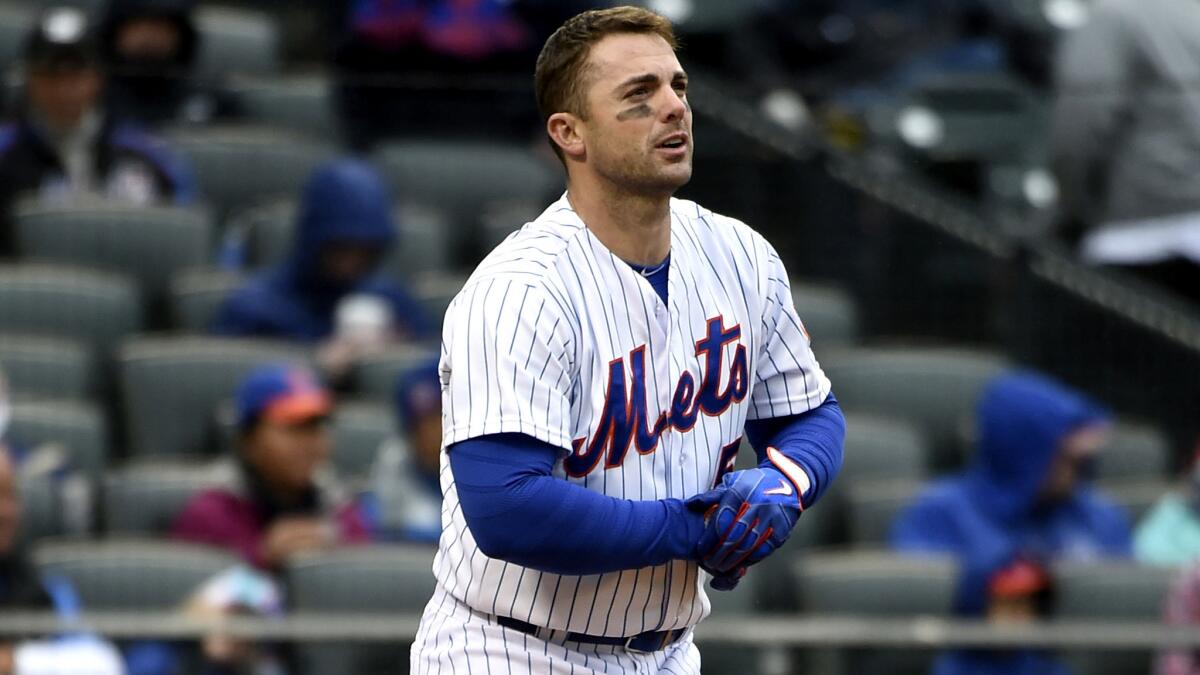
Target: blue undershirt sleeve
[
  {"x": 812, "y": 439},
  {"x": 518, "y": 512}
]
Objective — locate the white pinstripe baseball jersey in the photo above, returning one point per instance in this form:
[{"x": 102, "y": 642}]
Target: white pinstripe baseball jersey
[{"x": 555, "y": 337}]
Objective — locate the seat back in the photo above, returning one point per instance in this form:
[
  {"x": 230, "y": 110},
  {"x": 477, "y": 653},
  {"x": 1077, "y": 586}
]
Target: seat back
[
  {"x": 150, "y": 243},
  {"x": 145, "y": 497},
  {"x": 131, "y": 574},
  {"x": 197, "y": 296},
  {"x": 46, "y": 368},
  {"x": 935, "y": 389},
  {"x": 172, "y": 387}
]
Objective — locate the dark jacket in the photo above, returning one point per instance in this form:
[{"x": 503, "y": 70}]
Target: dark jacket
[
  {"x": 159, "y": 91},
  {"x": 124, "y": 157},
  {"x": 345, "y": 201}
]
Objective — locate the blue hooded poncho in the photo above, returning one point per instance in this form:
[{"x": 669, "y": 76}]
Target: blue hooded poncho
[
  {"x": 345, "y": 201},
  {"x": 991, "y": 514}
]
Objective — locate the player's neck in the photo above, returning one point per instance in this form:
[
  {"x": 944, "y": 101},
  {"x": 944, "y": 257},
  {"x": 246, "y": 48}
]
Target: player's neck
[{"x": 636, "y": 228}]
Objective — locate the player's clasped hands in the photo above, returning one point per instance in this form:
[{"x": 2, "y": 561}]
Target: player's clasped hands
[{"x": 748, "y": 516}]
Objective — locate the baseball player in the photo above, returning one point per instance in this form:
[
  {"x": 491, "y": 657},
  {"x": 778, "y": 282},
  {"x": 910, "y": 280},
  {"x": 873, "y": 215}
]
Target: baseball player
[{"x": 599, "y": 369}]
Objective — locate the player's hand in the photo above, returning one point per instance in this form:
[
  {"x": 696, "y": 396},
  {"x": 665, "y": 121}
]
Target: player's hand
[
  {"x": 289, "y": 536},
  {"x": 755, "y": 514}
]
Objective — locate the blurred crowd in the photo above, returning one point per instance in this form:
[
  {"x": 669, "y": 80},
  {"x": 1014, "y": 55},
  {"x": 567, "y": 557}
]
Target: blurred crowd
[{"x": 1066, "y": 120}]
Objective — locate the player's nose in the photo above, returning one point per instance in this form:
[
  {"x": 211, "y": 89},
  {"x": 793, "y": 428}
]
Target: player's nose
[{"x": 675, "y": 106}]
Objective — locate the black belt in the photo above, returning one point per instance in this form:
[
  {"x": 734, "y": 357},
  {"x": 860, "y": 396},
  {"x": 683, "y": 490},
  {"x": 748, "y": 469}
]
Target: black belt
[{"x": 650, "y": 641}]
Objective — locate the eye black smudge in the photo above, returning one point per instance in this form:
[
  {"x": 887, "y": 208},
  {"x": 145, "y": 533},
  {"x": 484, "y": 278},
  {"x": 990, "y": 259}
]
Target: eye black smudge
[{"x": 637, "y": 111}]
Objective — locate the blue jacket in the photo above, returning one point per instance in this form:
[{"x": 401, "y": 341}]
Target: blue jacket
[
  {"x": 344, "y": 202},
  {"x": 998, "y": 663},
  {"x": 991, "y": 513}
]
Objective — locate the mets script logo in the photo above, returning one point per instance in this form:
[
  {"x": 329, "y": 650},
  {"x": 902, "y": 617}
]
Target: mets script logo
[{"x": 625, "y": 420}]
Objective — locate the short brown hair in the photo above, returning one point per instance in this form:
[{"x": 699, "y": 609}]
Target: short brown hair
[{"x": 559, "y": 74}]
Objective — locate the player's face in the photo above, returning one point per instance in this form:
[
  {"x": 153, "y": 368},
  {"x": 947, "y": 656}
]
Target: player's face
[
  {"x": 287, "y": 456},
  {"x": 638, "y": 131}
]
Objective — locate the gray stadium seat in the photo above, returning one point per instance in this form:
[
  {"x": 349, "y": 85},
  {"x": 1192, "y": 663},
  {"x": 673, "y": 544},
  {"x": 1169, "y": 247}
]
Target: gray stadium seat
[
  {"x": 234, "y": 40},
  {"x": 934, "y": 388},
  {"x": 466, "y": 178},
  {"x": 829, "y": 314},
  {"x": 97, "y": 309},
  {"x": 1135, "y": 452},
  {"x": 1110, "y": 590},
  {"x": 880, "y": 447},
  {"x": 197, "y": 295},
  {"x": 1137, "y": 497},
  {"x": 15, "y": 22},
  {"x": 383, "y": 579},
  {"x": 238, "y": 167},
  {"x": 435, "y": 291},
  {"x": 144, "y": 498},
  {"x": 872, "y": 507},
  {"x": 148, "y": 243},
  {"x": 171, "y": 388},
  {"x": 874, "y": 584},
  {"x": 358, "y": 431},
  {"x": 302, "y": 104},
  {"x": 118, "y": 574},
  {"x": 422, "y": 245},
  {"x": 42, "y": 368},
  {"x": 79, "y": 428},
  {"x": 39, "y": 510},
  {"x": 375, "y": 376}
]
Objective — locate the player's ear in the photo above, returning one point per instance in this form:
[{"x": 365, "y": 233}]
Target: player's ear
[{"x": 566, "y": 131}]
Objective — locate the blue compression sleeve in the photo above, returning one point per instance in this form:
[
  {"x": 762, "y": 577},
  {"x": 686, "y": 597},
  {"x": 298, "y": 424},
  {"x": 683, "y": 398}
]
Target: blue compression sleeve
[
  {"x": 812, "y": 439},
  {"x": 518, "y": 512}
]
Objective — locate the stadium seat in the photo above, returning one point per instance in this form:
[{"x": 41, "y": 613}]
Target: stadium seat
[
  {"x": 1110, "y": 590},
  {"x": 234, "y": 40},
  {"x": 934, "y": 388},
  {"x": 15, "y": 22},
  {"x": 829, "y": 314},
  {"x": 119, "y": 574},
  {"x": 302, "y": 104},
  {"x": 171, "y": 388},
  {"x": 1137, "y": 497},
  {"x": 435, "y": 291},
  {"x": 147, "y": 243},
  {"x": 197, "y": 295},
  {"x": 358, "y": 431},
  {"x": 1135, "y": 452},
  {"x": 872, "y": 507},
  {"x": 45, "y": 368},
  {"x": 375, "y": 376},
  {"x": 875, "y": 584},
  {"x": 79, "y": 428},
  {"x": 97, "y": 309},
  {"x": 144, "y": 498},
  {"x": 373, "y": 579},
  {"x": 422, "y": 244},
  {"x": 240, "y": 166},
  {"x": 466, "y": 178},
  {"x": 879, "y": 447},
  {"x": 40, "y": 517}
]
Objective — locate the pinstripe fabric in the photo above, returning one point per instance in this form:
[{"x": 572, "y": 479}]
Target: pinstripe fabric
[{"x": 550, "y": 329}]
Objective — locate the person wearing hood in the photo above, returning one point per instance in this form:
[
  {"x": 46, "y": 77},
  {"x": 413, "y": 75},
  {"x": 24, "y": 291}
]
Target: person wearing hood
[
  {"x": 327, "y": 290},
  {"x": 1025, "y": 497},
  {"x": 405, "y": 500},
  {"x": 64, "y": 144},
  {"x": 282, "y": 505},
  {"x": 150, "y": 49}
]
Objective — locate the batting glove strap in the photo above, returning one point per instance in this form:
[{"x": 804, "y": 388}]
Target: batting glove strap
[{"x": 755, "y": 515}]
